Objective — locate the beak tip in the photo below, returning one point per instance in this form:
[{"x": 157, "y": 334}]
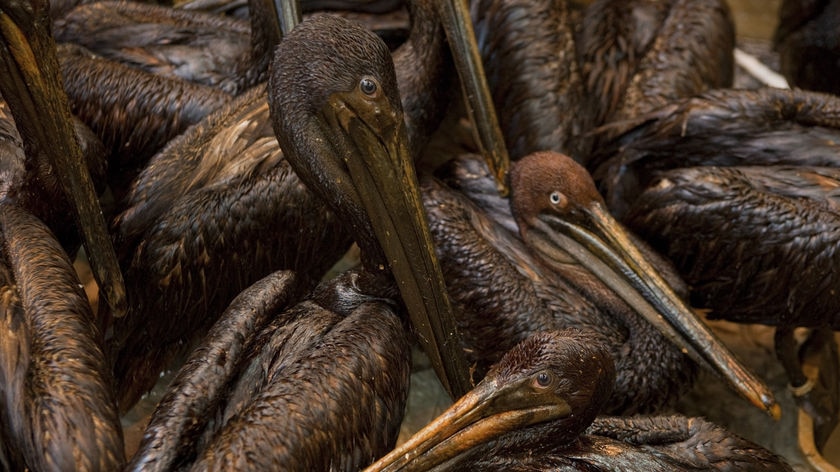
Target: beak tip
[{"x": 773, "y": 409}]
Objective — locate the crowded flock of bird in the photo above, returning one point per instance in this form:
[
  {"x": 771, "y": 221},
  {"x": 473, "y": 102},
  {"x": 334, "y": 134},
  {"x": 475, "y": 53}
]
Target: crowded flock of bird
[{"x": 216, "y": 159}]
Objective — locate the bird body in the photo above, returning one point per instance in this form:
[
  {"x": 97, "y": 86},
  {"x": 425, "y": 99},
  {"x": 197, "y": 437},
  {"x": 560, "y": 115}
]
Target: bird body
[
  {"x": 746, "y": 210},
  {"x": 213, "y": 212},
  {"x": 529, "y": 57},
  {"x": 808, "y": 44},
  {"x": 504, "y": 293},
  {"x": 57, "y": 409},
  {"x": 316, "y": 385},
  {"x": 205, "y": 48},
  {"x": 628, "y": 52},
  {"x": 134, "y": 112},
  {"x": 721, "y": 127},
  {"x": 313, "y": 363},
  {"x": 777, "y": 224},
  {"x": 536, "y": 410}
]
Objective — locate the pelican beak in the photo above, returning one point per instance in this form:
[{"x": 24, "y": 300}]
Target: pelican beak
[
  {"x": 602, "y": 245},
  {"x": 457, "y": 23},
  {"x": 286, "y": 12},
  {"x": 30, "y": 82},
  {"x": 483, "y": 414},
  {"x": 382, "y": 173}
]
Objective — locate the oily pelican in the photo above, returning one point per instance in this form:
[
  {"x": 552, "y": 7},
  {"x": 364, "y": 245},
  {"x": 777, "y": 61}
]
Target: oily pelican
[
  {"x": 503, "y": 293},
  {"x": 31, "y": 85},
  {"x": 134, "y": 112},
  {"x": 345, "y": 136},
  {"x": 757, "y": 171},
  {"x": 534, "y": 409},
  {"x": 721, "y": 127},
  {"x": 560, "y": 214},
  {"x": 347, "y": 109},
  {"x": 196, "y": 46},
  {"x": 807, "y": 42},
  {"x": 341, "y": 346},
  {"x": 57, "y": 408},
  {"x": 618, "y": 62},
  {"x": 232, "y": 160}
]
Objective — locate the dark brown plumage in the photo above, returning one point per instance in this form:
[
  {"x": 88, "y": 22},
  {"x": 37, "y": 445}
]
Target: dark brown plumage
[
  {"x": 612, "y": 60},
  {"x": 231, "y": 165},
  {"x": 536, "y": 410},
  {"x": 770, "y": 257},
  {"x": 808, "y": 44},
  {"x": 773, "y": 228},
  {"x": 363, "y": 358},
  {"x": 720, "y": 128},
  {"x": 561, "y": 214},
  {"x": 323, "y": 388},
  {"x": 135, "y": 113},
  {"x": 756, "y": 174},
  {"x": 757, "y": 169},
  {"x": 193, "y": 397},
  {"x": 528, "y": 52},
  {"x": 216, "y": 210},
  {"x": 195, "y": 46},
  {"x": 33, "y": 184},
  {"x": 31, "y": 85},
  {"x": 638, "y": 56},
  {"x": 503, "y": 294},
  {"x": 57, "y": 409},
  {"x": 140, "y": 74},
  {"x": 270, "y": 385}
]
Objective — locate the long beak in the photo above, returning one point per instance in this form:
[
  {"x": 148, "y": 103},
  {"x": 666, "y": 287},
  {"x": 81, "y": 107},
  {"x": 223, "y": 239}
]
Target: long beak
[
  {"x": 457, "y": 23},
  {"x": 384, "y": 177},
  {"x": 30, "y": 83},
  {"x": 288, "y": 13},
  {"x": 604, "y": 247},
  {"x": 481, "y": 415}
]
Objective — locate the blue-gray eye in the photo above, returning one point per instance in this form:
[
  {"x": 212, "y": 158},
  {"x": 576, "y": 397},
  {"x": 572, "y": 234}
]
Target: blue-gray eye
[
  {"x": 368, "y": 86},
  {"x": 543, "y": 379}
]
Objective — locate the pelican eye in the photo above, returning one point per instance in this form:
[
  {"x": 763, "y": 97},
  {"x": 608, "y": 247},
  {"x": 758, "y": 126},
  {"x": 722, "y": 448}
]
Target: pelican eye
[
  {"x": 368, "y": 86},
  {"x": 544, "y": 379},
  {"x": 555, "y": 198}
]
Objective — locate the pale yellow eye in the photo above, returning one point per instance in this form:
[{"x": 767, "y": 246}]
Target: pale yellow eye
[{"x": 555, "y": 198}]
